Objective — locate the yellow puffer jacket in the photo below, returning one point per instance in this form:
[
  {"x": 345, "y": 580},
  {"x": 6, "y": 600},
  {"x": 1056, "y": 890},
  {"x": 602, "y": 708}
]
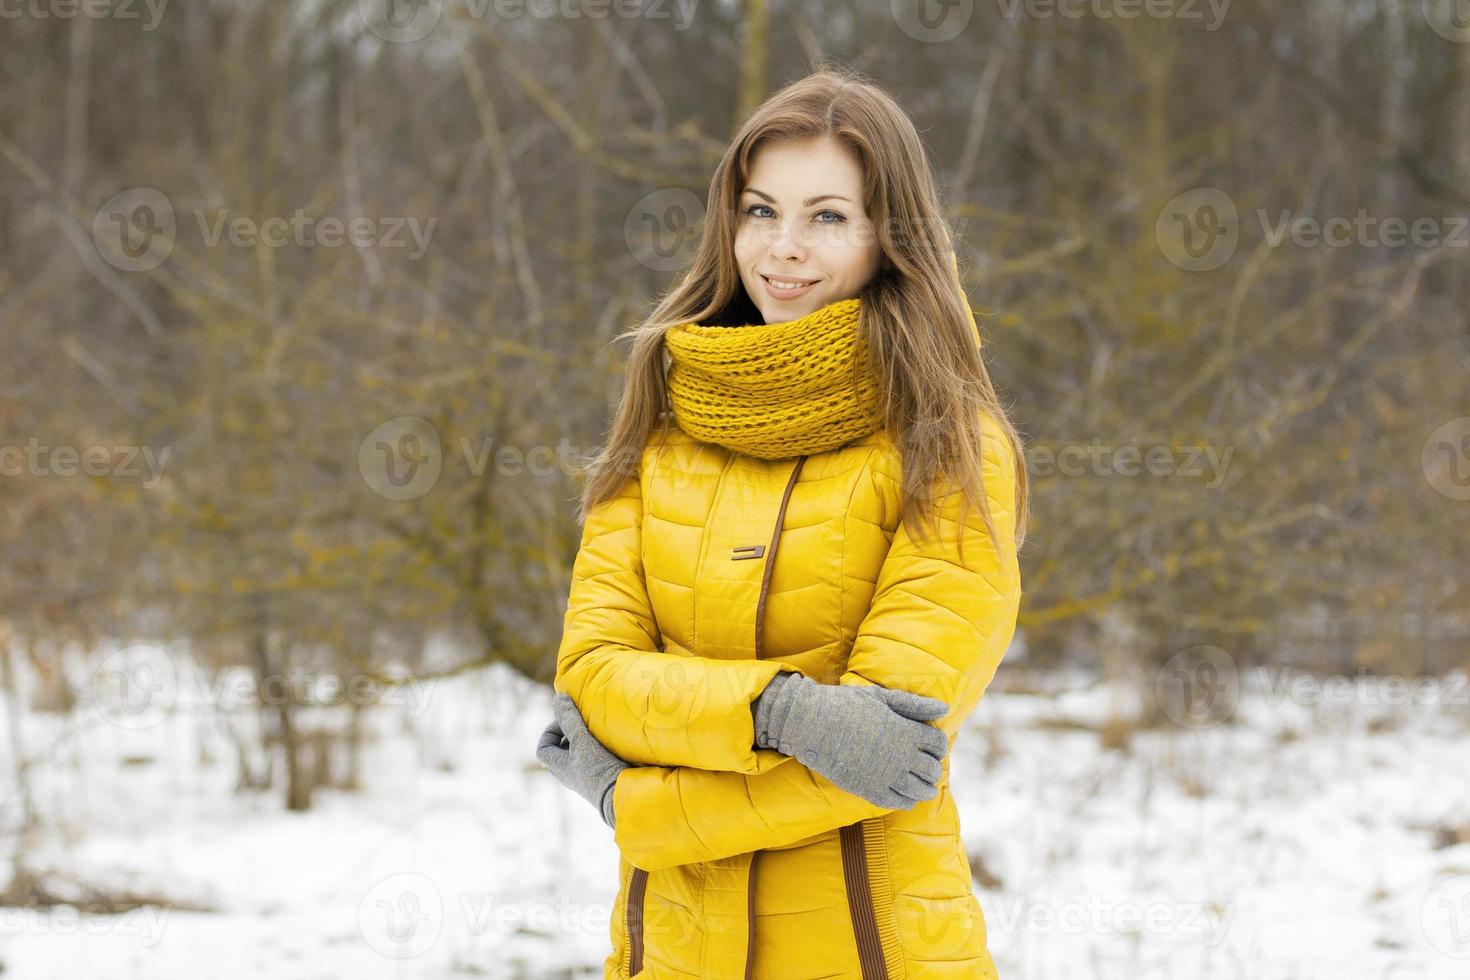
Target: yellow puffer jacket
[{"x": 739, "y": 862}]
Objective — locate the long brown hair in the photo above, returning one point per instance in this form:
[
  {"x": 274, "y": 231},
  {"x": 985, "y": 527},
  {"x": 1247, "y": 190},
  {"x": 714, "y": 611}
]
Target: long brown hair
[{"x": 914, "y": 314}]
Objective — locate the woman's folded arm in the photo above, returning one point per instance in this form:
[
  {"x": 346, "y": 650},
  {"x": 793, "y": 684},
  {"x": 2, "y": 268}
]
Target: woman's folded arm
[
  {"x": 944, "y": 608},
  {"x": 668, "y": 816},
  {"x": 646, "y": 706},
  {"x": 941, "y": 619}
]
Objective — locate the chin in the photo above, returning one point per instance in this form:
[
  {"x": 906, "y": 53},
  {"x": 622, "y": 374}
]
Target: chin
[{"x": 781, "y": 314}]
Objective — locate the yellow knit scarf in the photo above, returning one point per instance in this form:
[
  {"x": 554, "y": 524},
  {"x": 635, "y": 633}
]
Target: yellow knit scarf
[{"x": 775, "y": 390}]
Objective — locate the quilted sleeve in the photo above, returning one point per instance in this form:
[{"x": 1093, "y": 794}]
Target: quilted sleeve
[
  {"x": 668, "y": 816},
  {"x": 943, "y": 616},
  {"x": 648, "y": 707},
  {"x": 938, "y": 625}
]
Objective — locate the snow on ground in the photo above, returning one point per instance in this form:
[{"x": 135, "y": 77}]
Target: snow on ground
[{"x": 1299, "y": 844}]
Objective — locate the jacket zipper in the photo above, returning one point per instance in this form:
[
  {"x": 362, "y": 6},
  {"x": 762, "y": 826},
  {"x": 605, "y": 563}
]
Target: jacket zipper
[
  {"x": 760, "y": 622},
  {"x": 637, "y": 888},
  {"x": 770, "y": 554},
  {"x": 854, "y": 851}
]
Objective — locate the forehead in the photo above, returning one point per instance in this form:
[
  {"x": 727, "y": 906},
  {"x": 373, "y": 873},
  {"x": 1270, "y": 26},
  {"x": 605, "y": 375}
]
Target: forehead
[{"x": 797, "y": 169}]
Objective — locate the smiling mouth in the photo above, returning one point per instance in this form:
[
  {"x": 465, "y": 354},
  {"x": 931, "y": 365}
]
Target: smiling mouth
[{"x": 787, "y": 283}]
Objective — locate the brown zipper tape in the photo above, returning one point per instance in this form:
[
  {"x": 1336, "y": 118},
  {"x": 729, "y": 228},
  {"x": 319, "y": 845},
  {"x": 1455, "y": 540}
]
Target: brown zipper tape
[{"x": 760, "y": 604}]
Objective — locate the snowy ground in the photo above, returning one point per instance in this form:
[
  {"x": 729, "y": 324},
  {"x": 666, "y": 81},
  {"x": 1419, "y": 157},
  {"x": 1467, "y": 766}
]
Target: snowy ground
[{"x": 1307, "y": 842}]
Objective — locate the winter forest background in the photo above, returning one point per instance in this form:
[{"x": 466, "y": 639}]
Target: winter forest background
[{"x": 307, "y": 310}]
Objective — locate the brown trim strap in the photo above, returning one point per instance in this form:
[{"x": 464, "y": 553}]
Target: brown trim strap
[
  {"x": 754, "y": 551},
  {"x": 760, "y": 603},
  {"x": 750, "y": 919},
  {"x": 860, "y": 903},
  {"x": 637, "y": 889}
]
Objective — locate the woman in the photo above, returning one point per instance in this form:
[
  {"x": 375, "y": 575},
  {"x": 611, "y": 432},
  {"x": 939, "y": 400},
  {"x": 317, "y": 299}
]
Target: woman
[{"x": 769, "y": 738}]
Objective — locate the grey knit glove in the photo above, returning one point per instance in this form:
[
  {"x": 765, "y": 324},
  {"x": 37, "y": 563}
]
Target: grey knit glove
[
  {"x": 872, "y": 741},
  {"x": 577, "y": 759}
]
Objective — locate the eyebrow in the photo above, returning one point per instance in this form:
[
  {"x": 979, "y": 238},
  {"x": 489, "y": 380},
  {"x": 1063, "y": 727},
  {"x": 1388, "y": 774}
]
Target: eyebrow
[{"x": 806, "y": 204}]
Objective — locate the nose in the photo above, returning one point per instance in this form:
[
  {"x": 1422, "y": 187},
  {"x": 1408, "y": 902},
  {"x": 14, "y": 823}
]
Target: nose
[{"x": 785, "y": 244}]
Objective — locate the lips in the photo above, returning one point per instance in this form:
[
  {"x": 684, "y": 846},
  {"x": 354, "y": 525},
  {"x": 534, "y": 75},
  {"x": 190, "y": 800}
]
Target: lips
[{"x": 788, "y": 292}]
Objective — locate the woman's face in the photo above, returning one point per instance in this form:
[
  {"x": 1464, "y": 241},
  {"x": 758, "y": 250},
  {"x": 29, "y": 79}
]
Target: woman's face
[{"x": 801, "y": 220}]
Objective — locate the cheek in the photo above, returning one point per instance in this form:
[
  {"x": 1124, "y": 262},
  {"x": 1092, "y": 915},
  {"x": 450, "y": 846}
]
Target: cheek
[
  {"x": 747, "y": 245},
  {"x": 854, "y": 262},
  {"x": 849, "y": 247}
]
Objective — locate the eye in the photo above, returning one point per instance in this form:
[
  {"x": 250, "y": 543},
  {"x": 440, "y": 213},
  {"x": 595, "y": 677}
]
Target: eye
[
  {"x": 836, "y": 214},
  {"x": 750, "y": 210}
]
